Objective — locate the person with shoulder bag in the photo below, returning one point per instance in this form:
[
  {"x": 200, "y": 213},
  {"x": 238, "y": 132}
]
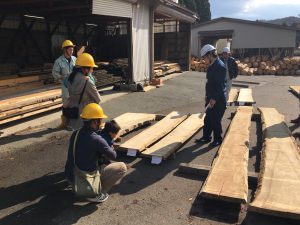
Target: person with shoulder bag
[
  {"x": 82, "y": 90},
  {"x": 88, "y": 178}
]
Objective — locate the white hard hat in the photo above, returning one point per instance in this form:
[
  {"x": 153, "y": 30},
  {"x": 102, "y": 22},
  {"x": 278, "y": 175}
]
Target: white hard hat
[
  {"x": 206, "y": 48},
  {"x": 226, "y": 49}
]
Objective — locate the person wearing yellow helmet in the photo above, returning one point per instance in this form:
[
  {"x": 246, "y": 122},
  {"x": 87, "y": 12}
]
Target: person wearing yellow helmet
[
  {"x": 62, "y": 68},
  {"x": 91, "y": 178},
  {"x": 82, "y": 89}
]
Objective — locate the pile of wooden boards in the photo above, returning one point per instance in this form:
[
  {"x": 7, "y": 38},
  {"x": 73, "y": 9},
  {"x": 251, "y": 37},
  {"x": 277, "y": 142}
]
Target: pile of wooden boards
[
  {"x": 263, "y": 65},
  {"x": 15, "y": 85},
  {"x": 13, "y": 109},
  {"x": 117, "y": 67},
  {"x": 170, "y": 133},
  {"x": 163, "y": 68},
  {"x": 102, "y": 78}
]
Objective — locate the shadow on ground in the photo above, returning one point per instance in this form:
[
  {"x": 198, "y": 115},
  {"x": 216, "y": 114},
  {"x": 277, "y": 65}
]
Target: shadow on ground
[{"x": 53, "y": 198}]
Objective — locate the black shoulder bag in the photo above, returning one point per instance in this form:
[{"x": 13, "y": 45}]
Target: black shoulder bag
[{"x": 73, "y": 112}]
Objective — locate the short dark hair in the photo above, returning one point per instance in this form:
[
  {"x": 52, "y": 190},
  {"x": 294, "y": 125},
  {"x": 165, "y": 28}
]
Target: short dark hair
[{"x": 111, "y": 126}]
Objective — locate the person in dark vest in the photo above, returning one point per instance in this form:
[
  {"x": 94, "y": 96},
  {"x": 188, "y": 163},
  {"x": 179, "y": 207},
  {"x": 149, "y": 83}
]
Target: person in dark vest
[
  {"x": 215, "y": 96},
  {"x": 231, "y": 69}
]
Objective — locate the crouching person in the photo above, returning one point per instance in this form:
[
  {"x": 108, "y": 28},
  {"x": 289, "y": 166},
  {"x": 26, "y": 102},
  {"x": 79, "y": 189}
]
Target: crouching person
[{"x": 89, "y": 179}]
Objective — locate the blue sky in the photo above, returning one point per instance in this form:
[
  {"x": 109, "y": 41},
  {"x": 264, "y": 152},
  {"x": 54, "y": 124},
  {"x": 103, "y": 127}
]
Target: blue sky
[{"x": 254, "y": 9}]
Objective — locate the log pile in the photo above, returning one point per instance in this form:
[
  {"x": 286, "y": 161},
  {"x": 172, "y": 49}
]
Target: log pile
[
  {"x": 163, "y": 68},
  {"x": 264, "y": 65},
  {"x": 258, "y": 65},
  {"x": 198, "y": 64}
]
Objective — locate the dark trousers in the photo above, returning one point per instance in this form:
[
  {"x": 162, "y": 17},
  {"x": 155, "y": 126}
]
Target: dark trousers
[{"x": 212, "y": 121}]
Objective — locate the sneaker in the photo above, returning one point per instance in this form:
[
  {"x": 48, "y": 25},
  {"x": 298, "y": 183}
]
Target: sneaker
[
  {"x": 99, "y": 199},
  {"x": 216, "y": 143},
  {"x": 203, "y": 140}
]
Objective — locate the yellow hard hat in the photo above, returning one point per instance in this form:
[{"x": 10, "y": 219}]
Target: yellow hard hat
[
  {"x": 92, "y": 111},
  {"x": 85, "y": 60},
  {"x": 67, "y": 43}
]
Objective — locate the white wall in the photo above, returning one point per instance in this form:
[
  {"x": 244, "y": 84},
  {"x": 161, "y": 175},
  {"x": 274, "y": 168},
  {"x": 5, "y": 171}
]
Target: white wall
[
  {"x": 141, "y": 41},
  {"x": 249, "y": 35}
]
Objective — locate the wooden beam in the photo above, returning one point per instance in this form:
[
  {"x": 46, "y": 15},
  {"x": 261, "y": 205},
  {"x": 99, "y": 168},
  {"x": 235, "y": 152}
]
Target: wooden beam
[
  {"x": 278, "y": 191},
  {"x": 147, "y": 137},
  {"x": 174, "y": 140},
  {"x": 227, "y": 179},
  {"x": 203, "y": 171}
]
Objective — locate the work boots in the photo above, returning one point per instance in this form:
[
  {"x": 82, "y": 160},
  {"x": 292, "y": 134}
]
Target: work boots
[{"x": 297, "y": 120}]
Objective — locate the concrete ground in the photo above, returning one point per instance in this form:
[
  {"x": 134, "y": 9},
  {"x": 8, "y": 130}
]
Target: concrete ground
[{"x": 33, "y": 190}]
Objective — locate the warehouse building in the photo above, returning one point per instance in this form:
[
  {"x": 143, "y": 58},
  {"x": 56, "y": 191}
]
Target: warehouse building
[
  {"x": 245, "y": 37},
  {"x": 31, "y": 32}
]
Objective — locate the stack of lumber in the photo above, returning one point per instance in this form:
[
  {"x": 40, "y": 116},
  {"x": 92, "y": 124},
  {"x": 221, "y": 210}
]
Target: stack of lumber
[
  {"x": 228, "y": 178},
  {"x": 14, "y": 84},
  {"x": 245, "y": 96},
  {"x": 8, "y": 69},
  {"x": 102, "y": 78},
  {"x": 117, "y": 67},
  {"x": 13, "y": 109},
  {"x": 263, "y": 65},
  {"x": 163, "y": 68},
  {"x": 198, "y": 64},
  {"x": 278, "y": 190}
]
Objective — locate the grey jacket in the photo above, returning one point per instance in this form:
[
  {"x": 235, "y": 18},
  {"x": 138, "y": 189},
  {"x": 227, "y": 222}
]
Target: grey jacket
[{"x": 90, "y": 95}]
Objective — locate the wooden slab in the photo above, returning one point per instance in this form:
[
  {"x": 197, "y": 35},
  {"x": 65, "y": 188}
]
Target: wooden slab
[
  {"x": 278, "y": 191},
  {"x": 147, "y": 137},
  {"x": 245, "y": 96},
  {"x": 227, "y": 179},
  {"x": 131, "y": 121},
  {"x": 295, "y": 90},
  {"x": 174, "y": 140},
  {"x": 233, "y": 94}
]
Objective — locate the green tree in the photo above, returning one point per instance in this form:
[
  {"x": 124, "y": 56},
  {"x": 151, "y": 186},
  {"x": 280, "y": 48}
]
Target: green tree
[{"x": 201, "y": 7}]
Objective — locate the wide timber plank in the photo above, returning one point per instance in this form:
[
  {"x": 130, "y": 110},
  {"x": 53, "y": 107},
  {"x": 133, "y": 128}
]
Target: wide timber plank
[
  {"x": 233, "y": 94},
  {"x": 227, "y": 179},
  {"x": 131, "y": 121},
  {"x": 278, "y": 191},
  {"x": 147, "y": 137},
  {"x": 174, "y": 140},
  {"x": 245, "y": 96}
]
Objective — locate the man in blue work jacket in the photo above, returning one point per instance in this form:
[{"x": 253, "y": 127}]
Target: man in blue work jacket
[
  {"x": 215, "y": 96},
  {"x": 62, "y": 68}
]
